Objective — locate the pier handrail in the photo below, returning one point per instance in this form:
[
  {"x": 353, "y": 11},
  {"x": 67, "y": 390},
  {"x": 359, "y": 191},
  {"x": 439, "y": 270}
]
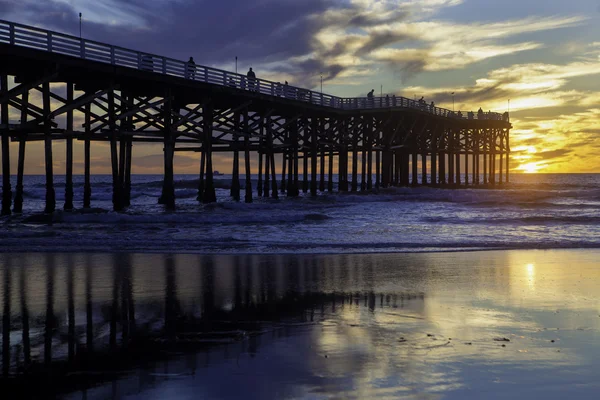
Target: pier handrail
[{"x": 40, "y": 39}]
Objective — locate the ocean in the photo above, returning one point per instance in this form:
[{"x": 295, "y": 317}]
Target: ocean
[
  {"x": 535, "y": 211},
  {"x": 379, "y": 295}
]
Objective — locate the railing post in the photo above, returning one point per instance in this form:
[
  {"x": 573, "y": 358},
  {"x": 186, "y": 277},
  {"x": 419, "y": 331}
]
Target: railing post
[
  {"x": 205, "y": 74},
  {"x": 112, "y": 55},
  {"x": 224, "y": 78},
  {"x": 139, "y": 57},
  {"x": 49, "y": 35},
  {"x": 272, "y": 88},
  {"x": 12, "y": 33},
  {"x": 82, "y": 45},
  {"x": 164, "y": 65},
  {"x": 321, "y": 98}
]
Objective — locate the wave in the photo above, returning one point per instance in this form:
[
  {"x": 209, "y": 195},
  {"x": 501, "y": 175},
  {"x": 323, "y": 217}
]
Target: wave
[{"x": 521, "y": 220}]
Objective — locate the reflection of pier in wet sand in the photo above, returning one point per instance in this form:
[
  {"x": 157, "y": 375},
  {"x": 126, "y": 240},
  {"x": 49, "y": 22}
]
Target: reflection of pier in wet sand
[{"x": 78, "y": 319}]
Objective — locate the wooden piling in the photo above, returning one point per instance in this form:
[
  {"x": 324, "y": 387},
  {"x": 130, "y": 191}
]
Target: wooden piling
[
  {"x": 451, "y": 157},
  {"x": 314, "y": 154},
  {"x": 433, "y": 158},
  {"x": 210, "y": 195},
  {"x": 284, "y": 162},
  {"x": 114, "y": 157},
  {"x": 68, "y": 206},
  {"x": 457, "y": 161},
  {"x": 259, "y": 183},
  {"x": 466, "y": 166},
  {"x": 322, "y": 161},
  {"x": 369, "y": 133},
  {"x": 507, "y": 158},
  {"x": 168, "y": 192},
  {"x": 415, "y": 168},
  {"x": 424, "y": 167},
  {"x": 234, "y": 192},
  {"x": 129, "y": 151},
  {"x": 377, "y": 163},
  {"x": 500, "y": 181},
  {"x": 200, "y": 196},
  {"x": 354, "y": 154},
  {"x": 363, "y": 161},
  {"x": 274, "y": 192},
  {"x": 475, "y": 159},
  {"x": 248, "y": 196},
  {"x": 267, "y": 147},
  {"x": 87, "y": 186},
  {"x": 50, "y": 193},
  {"x": 18, "y": 206},
  {"x": 486, "y": 147},
  {"x": 4, "y": 120}
]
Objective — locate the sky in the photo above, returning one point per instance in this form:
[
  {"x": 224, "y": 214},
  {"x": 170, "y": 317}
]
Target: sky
[{"x": 540, "y": 58}]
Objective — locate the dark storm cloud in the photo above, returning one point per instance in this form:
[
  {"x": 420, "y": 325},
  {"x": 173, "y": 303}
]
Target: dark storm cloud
[
  {"x": 215, "y": 32},
  {"x": 379, "y": 40}
]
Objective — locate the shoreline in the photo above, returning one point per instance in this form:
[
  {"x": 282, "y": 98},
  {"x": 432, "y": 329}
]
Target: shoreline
[{"x": 84, "y": 250}]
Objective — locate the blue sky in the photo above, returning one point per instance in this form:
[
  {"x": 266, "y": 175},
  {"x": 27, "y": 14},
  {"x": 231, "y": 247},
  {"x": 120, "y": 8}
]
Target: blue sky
[{"x": 543, "y": 55}]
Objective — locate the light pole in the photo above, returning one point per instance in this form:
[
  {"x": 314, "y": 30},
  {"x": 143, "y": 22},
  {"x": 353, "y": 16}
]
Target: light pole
[
  {"x": 236, "y": 64},
  {"x": 321, "y": 83},
  {"x": 79, "y": 25},
  {"x": 452, "y": 101}
]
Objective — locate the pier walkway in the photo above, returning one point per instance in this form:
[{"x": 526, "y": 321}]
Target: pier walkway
[{"x": 124, "y": 96}]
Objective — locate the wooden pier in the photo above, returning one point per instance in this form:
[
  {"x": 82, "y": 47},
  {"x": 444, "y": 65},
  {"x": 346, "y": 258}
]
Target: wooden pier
[{"x": 295, "y": 139}]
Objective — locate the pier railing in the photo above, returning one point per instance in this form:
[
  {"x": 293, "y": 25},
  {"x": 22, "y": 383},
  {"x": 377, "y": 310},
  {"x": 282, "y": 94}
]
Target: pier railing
[{"x": 55, "y": 42}]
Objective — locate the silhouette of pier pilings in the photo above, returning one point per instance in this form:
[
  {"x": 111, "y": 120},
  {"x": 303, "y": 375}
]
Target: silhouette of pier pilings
[{"x": 55, "y": 87}]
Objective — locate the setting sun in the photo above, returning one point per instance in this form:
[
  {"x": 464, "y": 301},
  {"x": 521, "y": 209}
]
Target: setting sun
[{"x": 530, "y": 168}]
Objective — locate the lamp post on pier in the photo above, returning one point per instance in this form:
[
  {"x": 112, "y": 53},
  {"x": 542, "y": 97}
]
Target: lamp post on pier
[
  {"x": 321, "y": 83},
  {"x": 80, "y": 25},
  {"x": 452, "y": 101}
]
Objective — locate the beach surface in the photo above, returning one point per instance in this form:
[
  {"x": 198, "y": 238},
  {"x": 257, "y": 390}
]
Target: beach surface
[{"x": 492, "y": 324}]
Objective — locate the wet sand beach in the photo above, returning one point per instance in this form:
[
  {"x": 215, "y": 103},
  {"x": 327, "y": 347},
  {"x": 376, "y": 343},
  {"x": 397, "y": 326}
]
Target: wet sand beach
[{"x": 498, "y": 324}]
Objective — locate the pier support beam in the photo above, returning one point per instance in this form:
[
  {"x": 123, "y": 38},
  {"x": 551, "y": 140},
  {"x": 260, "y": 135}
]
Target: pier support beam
[
  {"x": 50, "y": 193},
  {"x": 209, "y": 195},
  {"x": 457, "y": 146},
  {"x": 87, "y": 186},
  {"x": 248, "y": 197},
  {"x": 274, "y": 192},
  {"x": 434, "y": 157},
  {"x": 68, "y": 206},
  {"x": 354, "y": 187},
  {"x": 18, "y": 206},
  {"x": 451, "y": 157},
  {"x": 415, "y": 168},
  {"x": 4, "y": 120},
  {"x": 314, "y": 153},
  {"x": 234, "y": 192}
]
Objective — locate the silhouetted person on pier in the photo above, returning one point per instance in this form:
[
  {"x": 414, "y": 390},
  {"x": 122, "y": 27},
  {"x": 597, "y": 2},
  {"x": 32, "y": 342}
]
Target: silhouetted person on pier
[
  {"x": 460, "y": 115},
  {"x": 387, "y": 100},
  {"x": 190, "y": 69},
  {"x": 432, "y": 106},
  {"x": 370, "y": 97},
  {"x": 505, "y": 116},
  {"x": 393, "y": 100},
  {"x": 471, "y": 115},
  {"x": 251, "y": 79},
  {"x": 286, "y": 90},
  {"x": 480, "y": 113}
]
